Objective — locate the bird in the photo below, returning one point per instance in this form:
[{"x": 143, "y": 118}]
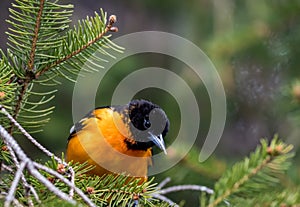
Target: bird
[{"x": 119, "y": 139}]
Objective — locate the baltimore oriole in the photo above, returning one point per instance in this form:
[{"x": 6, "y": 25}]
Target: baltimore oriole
[{"x": 119, "y": 139}]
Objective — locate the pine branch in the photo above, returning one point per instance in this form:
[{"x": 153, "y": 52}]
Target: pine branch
[
  {"x": 42, "y": 48},
  {"x": 19, "y": 102},
  {"x": 110, "y": 189},
  {"x": 39, "y": 146},
  {"x": 239, "y": 183},
  {"x": 160, "y": 193},
  {"x": 25, "y": 162},
  {"x": 7, "y": 88},
  {"x": 33, "y": 167},
  {"x": 27, "y": 39},
  {"x": 287, "y": 197},
  {"x": 254, "y": 175},
  {"x": 109, "y": 26},
  {"x": 35, "y": 37}
]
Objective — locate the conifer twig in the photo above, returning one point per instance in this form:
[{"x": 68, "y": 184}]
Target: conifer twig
[
  {"x": 72, "y": 180},
  {"x": 27, "y": 163},
  {"x": 7, "y": 168},
  {"x": 41, "y": 147},
  {"x": 186, "y": 187},
  {"x": 159, "y": 194},
  {"x": 15, "y": 201},
  {"x": 18, "y": 174},
  {"x": 66, "y": 181},
  {"x": 19, "y": 101},
  {"x": 35, "y": 37},
  {"x": 29, "y": 137},
  {"x": 240, "y": 182},
  {"x": 30, "y": 66},
  {"x": 30, "y": 167},
  {"x": 164, "y": 182},
  {"x": 254, "y": 174},
  {"x": 30, "y": 73},
  {"x": 24, "y": 181},
  {"x": 109, "y": 27},
  {"x": 165, "y": 199}
]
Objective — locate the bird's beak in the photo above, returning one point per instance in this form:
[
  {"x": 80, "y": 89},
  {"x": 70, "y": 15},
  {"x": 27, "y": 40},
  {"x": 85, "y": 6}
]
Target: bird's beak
[{"x": 158, "y": 141}]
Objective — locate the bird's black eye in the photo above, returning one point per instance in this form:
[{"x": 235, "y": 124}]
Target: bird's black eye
[{"x": 147, "y": 123}]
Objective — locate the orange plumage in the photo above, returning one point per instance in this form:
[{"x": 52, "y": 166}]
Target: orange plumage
[{"x": 118, "y": 139}]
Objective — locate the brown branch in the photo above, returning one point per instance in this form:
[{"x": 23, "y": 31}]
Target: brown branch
[
  {"x": 109, "y": 27},
  {"x": 19, "y": 103},
  {"x": 35, "y": 37},
  {"x": 29, "y": 74}
]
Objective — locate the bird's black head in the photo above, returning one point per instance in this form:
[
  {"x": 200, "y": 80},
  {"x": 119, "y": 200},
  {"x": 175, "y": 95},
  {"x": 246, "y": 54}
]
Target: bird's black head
[{"x": 149, "y": 124}]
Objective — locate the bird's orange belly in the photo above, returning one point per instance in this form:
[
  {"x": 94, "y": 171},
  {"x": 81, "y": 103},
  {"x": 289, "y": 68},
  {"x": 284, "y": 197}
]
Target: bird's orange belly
[{"x": 106, "y": 159}]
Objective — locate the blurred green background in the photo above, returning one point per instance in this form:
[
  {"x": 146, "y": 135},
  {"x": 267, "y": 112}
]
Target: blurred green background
[{"x": 255, "y": 48}]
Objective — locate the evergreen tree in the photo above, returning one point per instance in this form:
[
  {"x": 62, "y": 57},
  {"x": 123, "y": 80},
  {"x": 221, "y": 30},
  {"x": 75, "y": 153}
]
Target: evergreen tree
[{"x": 43, "y": 48}]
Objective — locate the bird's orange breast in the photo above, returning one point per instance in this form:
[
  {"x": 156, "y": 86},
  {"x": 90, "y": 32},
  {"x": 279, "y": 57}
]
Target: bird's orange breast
[{"x": 101, "y": 143}]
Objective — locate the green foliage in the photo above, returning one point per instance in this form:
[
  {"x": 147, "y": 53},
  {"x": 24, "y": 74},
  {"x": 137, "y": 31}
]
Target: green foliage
[
  {"x": 42, "y": 47},
  {"x": 7, "y": 89},
  {"x": 4, "y": 154},
  {"x": 103, "y": 191},
  {"x": 35, "y": 32},
  {"x": 88, "y": 33},
  {"x": 256, "y": 180}
]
